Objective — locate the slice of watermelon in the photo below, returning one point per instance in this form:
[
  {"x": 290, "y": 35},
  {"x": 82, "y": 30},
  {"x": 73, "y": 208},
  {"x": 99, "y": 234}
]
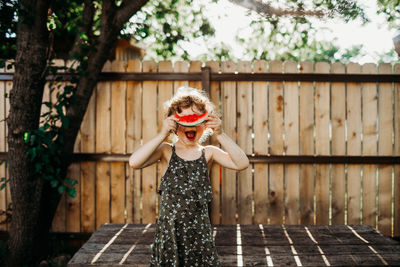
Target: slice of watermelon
[{"x": 191, "y": 120}]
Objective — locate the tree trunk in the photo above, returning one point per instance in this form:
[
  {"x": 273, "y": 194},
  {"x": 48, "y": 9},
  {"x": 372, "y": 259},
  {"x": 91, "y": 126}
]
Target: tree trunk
[
  {"x": 34, "y": 200},
  {"x": 25, "y": 104}
]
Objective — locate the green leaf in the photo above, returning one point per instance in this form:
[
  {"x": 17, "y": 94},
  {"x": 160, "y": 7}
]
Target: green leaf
[
  {"x": 72, "y": 192},
  {"x": 2, "y": 186},
  {"x": 34, "y": 152},
  {"x": 26, "y": 137},
  {"x": 38, "y": 167},
  {"x": 54, "y": 183},
  {"x": 61, "y": 189}
]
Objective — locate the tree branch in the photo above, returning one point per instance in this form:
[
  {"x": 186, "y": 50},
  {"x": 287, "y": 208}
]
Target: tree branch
[
  {"x": 128, "y": 9},
  {"x": 267, "y": 9},
  {"x": 86, "y": 27},
  {"x": 113, "y": 19}
]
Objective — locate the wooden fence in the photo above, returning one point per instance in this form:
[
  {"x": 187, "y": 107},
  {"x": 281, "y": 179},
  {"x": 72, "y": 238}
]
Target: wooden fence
[{"x": 323, "y": 150}]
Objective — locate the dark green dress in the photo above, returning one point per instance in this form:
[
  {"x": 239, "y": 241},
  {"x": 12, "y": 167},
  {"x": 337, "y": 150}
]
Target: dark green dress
[{"x": 183, "y": 234}]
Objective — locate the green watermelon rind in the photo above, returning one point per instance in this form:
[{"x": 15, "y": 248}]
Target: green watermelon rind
[
  {"x": 190, "y": 124},
  {"x": 194, "y": 123}
]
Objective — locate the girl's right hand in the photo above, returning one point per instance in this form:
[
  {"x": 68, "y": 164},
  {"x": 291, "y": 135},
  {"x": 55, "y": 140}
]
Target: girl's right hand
[{"x": 169, "y": 125}]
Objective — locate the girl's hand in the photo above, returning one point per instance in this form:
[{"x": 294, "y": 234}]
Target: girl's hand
[
  {"x": 169, "y": 125},
  {"x": 214, "y": 123}
]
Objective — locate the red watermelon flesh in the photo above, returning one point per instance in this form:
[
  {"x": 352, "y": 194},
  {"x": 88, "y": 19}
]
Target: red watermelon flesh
[{"x": 191, "y": 120}]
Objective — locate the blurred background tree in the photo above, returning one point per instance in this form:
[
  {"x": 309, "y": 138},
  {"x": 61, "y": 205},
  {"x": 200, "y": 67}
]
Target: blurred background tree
[{"x": 165, "y": 28}]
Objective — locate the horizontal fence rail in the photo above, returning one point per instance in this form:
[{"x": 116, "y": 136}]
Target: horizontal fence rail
[
  {"x": 323, "y": 142},
  {"x": 173, "y": 76},
  {"x": 285, "y": 159}
]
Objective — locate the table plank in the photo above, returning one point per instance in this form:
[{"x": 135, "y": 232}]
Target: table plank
[{"x": 259, "y": 245}]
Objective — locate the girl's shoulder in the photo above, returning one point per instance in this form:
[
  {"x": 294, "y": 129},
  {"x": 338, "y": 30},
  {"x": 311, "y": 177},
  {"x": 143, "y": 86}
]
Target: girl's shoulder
[
  {"x": 166, "y": 151},
  {"x": 209, "y": 150}
]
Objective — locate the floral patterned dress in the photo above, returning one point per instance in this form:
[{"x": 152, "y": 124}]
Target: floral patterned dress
[{"x": 183, "y": 234}]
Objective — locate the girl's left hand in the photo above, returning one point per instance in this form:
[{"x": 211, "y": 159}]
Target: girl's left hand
[{"x": 214, "y": 123}]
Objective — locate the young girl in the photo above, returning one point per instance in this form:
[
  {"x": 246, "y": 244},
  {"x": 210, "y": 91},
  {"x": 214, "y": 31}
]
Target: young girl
[{"x": 183, "y": 234}]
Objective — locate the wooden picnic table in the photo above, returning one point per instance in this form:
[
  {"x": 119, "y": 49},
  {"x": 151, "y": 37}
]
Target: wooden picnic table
[{"x": 250, "y": 245}]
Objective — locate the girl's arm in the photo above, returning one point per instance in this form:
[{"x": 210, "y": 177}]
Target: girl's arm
[
  {"x": 234, "y": 157},
  {"x": 152, "y": 151}
]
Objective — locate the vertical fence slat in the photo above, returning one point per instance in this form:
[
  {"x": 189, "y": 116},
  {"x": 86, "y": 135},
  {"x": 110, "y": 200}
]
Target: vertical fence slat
[
  {"x": 118, "y": 113},
  {"x": 291, "y": 107},
  {"x": 385, "y": 148},
  {"x": 260, "y": 145},
  {"x": 322, "y": 108},
  {"x": 149, "y": 130},
  {"x": 244, "y": 124},
  {"x": 165, "y": 92},
  {"x": 353, "y": 146},
  {"x": 229, "y": 127},
  {"x": 215, "y": 91},
  {"x": 3, "y": 194},
  {"x": 73, "y": 205},
  {"x": 9, "y": 86},
  {"x": 306, "y": 125},
  {"x": 134, "y": 135},
  {"x": 195, "y": 66},
  {"x": 103, "y": 145},
  {"x": 88, "y": 169},
  {"x": 396, "y": 227},
  {"x": 369, "y": 147},
  {"x": 181, "y": 66},
  {"x": 338, "y": 118},
  {"x": 60, "y": 218},
  {"x": 73, "y": 219},
  {"x": 276, "y": 146}
]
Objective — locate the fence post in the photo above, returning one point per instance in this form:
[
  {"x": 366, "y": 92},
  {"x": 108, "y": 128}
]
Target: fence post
[{"x": 205, "y": 79}]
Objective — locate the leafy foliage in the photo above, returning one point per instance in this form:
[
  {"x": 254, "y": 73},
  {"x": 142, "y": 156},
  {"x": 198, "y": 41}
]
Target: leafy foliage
[
  {"x": 45, "y": 150},
  {"x": 391, "y": 9},
  {"x": 8, "y": 25},
  {"x": 166, "y": 24},
  {"x": 296, "y": 38}
]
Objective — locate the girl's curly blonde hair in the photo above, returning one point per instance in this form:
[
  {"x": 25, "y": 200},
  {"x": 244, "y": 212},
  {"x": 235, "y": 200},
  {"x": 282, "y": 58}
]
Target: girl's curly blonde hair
[{"x": 186, "y": 97}]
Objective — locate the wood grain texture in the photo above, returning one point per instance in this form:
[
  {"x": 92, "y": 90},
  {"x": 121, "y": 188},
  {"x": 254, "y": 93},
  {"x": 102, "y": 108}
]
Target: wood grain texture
[
  {"x": 60, "y": 218},
  {"x": 353, "y": 146},
  {"x": 291, "y": 125},
  {"x": 165, "y": 92},
  {"x": 306, "y": 125},
  {"x": 260, "y": 245},
  {"x": 322, "y": 144},
  {"x": 195, "y": 66},
  {"x": 181, "y": 66},
  {"x": 276, "y": 189},
  {"x": 88, "y": 169},
  {"x": 338, "y": 119},
  {"x": 385, "y": 147},
  {"x": 3, "y": 140},
  {"x": 103, "y": 145},
  {"x": 228, "y": 190},
  {"x": 134, "y": 136},
  {"x": 215, "y": 173},
  {"x": 260, "y": 145},
  {"x": 244, "y": 129},
  {"x": 149, "y": 130},
  {"x": 369, "y": 146},
  {"x": 396, "y": 226}
]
